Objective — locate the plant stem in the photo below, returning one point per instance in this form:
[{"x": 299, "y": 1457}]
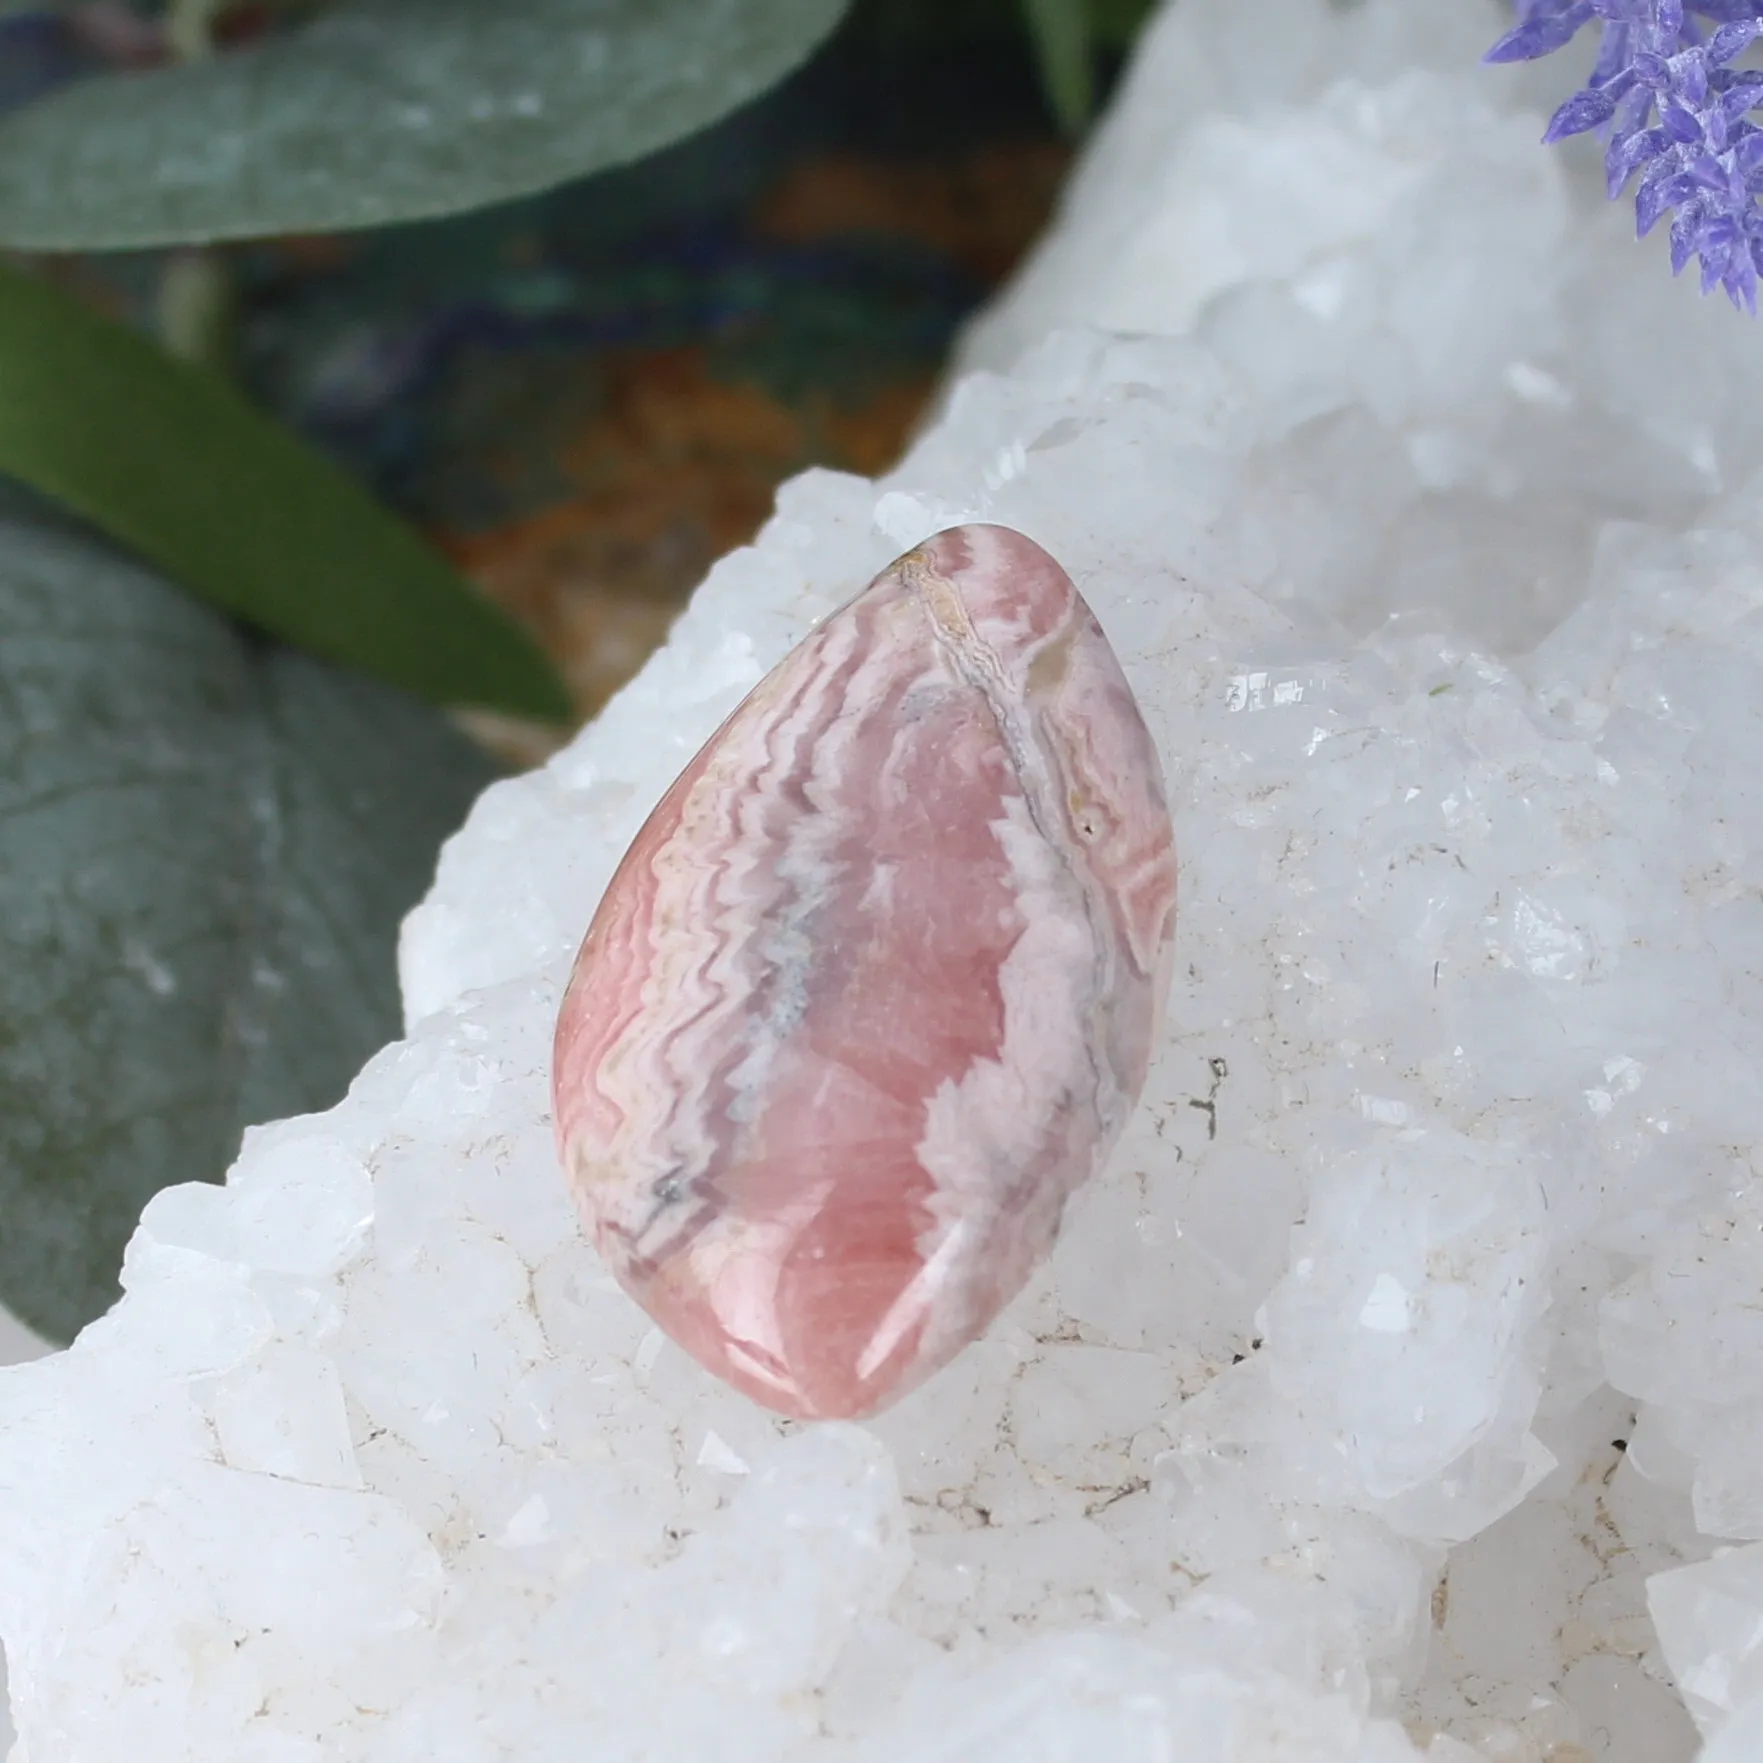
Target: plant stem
[
  {"x": 196, "y": 304},
  {"x": 196, "y": 308},
  {"x": 189, "y": 27}
]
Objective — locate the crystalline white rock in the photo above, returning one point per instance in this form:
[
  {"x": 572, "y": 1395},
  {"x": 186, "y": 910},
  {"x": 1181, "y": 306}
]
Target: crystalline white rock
[
  {"x": 1396, "y": 1391},
  {"x": 1710, "y": 1620},
  {"x": 1416, "y": 1272},
  {"x": 17, "y": 1345}
]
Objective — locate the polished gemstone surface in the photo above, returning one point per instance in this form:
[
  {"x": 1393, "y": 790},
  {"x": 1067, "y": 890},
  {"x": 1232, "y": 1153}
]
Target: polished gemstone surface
[{"x": 875, "y": 987}]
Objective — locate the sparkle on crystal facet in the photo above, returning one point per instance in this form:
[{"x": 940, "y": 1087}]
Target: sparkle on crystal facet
[{"x": 875, "y": 987}]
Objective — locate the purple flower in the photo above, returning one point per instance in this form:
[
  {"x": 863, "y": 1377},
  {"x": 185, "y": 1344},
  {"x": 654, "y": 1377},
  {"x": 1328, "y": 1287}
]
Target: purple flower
[{"x": 1676, "y": 117}]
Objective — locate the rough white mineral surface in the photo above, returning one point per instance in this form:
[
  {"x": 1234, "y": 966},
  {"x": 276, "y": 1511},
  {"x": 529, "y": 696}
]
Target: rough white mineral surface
[{"x": 1399, "y": 1392}]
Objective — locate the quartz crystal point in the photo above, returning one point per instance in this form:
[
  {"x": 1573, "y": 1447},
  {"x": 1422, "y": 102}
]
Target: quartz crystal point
[{"x": 876, "y": 986}]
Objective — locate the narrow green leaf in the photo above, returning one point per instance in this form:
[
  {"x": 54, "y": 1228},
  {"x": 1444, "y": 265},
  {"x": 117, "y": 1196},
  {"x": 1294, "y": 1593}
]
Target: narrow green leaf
[
  {"x": 206, "y": 847},
  {"x": 1115, "y": 23},
  {"x": 1060, "y": 30},
  {"x": 386, "y": 110},
  {"x": 177, "y": 465}
]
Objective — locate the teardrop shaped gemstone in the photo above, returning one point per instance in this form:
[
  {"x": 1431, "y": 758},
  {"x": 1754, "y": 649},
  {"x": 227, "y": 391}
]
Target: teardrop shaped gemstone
[{"x": 875, "y": 988}]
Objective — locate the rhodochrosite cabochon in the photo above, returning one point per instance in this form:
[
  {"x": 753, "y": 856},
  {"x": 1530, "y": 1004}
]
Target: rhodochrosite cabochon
[{"x": 875, "y": 988}]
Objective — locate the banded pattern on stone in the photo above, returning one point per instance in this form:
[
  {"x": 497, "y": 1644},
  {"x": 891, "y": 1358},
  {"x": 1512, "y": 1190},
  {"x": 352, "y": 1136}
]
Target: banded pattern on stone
[{"x": 875, "y": 987}]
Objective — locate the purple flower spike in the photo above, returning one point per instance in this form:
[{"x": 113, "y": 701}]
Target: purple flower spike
[{"x": 1674, "y": 113}]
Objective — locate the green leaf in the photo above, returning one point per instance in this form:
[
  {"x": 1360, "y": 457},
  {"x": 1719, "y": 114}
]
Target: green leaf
[
  {"x": 176, "y": 464},
  {"x": 206, "y": 846},
  {"x": 386, "y": 110},
  {"x": 1117, "y": 22},
  {"x": 1060, "y": 30}
]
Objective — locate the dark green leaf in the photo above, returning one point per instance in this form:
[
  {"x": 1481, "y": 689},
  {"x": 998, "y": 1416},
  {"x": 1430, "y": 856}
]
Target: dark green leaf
[
  {"x": 386, "y": 110},
  {"x": 1061, "y": 33},
  {"x": 1116, "y": 23},
  {"x": 206, "y": 845},
  {"x": 176, "y": 464}
]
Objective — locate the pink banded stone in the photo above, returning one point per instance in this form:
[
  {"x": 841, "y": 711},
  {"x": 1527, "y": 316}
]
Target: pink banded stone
[{"x": 875, "y": 987}]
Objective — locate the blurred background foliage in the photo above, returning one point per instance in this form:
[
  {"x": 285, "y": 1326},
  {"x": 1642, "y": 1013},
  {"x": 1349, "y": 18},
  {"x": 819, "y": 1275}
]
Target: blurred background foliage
[{"x": 377, "y": 377}]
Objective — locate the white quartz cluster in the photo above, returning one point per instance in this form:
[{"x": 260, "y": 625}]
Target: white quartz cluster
[{"x": 1399, "y": 1391}]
